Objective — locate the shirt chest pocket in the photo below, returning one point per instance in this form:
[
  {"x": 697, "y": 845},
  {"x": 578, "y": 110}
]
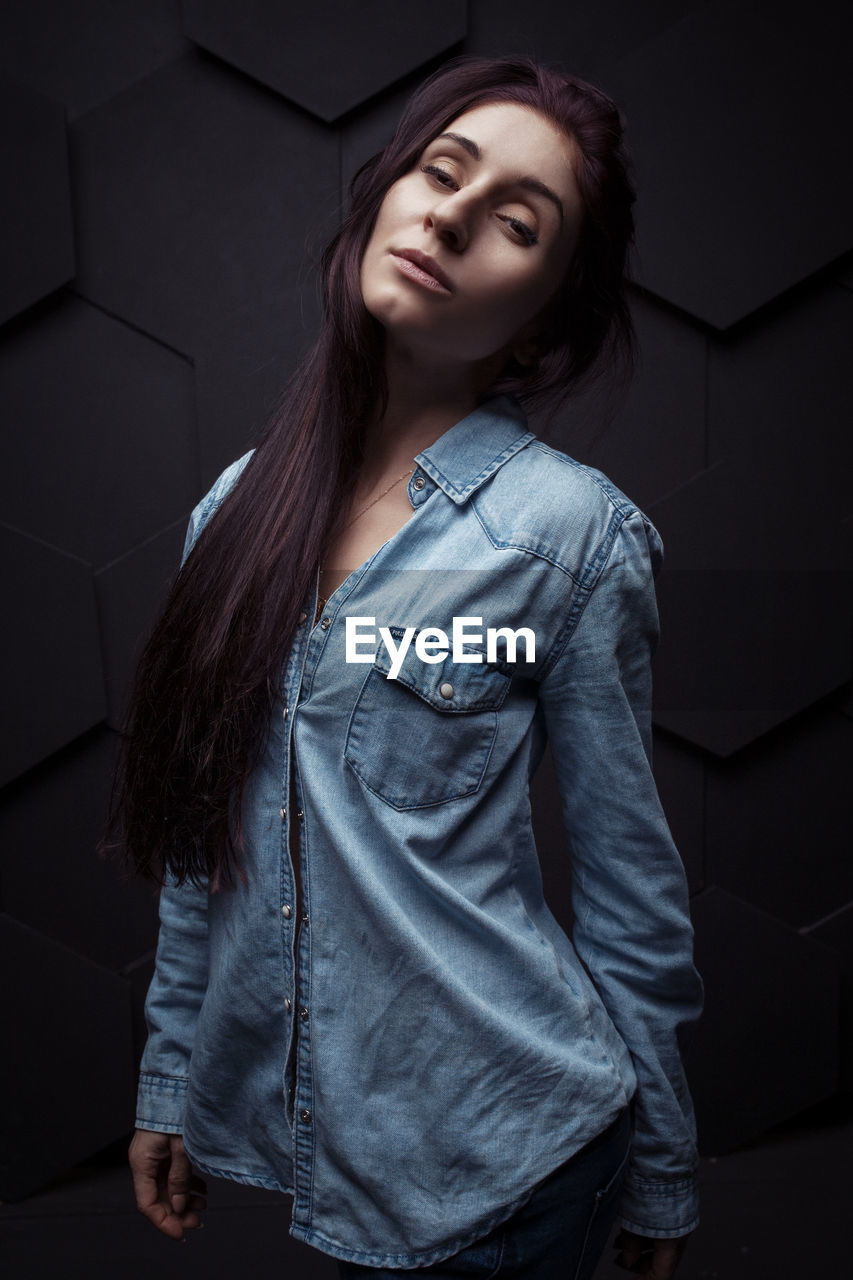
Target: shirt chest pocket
[{"x": 426, "y": 737}]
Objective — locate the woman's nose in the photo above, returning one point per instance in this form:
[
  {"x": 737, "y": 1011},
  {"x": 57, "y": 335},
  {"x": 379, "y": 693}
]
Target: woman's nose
[{"x": 449, "y": 220}]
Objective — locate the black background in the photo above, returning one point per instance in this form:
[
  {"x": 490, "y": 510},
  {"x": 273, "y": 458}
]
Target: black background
[{"x": 170, "y": 172}]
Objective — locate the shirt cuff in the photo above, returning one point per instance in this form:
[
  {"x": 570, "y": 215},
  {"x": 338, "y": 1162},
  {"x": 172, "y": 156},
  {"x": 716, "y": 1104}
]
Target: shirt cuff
[
  {"x": 660, "y": 1210},
  {"x": 161, "y": 1102}
]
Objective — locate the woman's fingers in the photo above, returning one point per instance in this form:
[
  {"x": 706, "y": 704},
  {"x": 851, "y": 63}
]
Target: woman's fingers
[
  {"x": 179, "y": 1181},
  {"x": 167, "y": 1192}
]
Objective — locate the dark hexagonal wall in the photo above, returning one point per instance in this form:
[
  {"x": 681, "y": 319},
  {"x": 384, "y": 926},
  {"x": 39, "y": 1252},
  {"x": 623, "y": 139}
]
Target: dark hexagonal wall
[
  {"x": 68, "y": 1037},
  {"x": 771, "y": 996},
  {"x": 778, "y": 820},
  {"x": 584, "y": 38},
  {"x": 84, "y": 53},
  {"x": 104, "y": 452},
  {"x": 158, "y": 292},
  {"x": 835, "y": 932},
  {"x": 49, "y": 824},
  {"x": 53, "y": 682},
  {"x": 306, "y": 52},
  {"x": 736, "y": 113},
  {"x": 204, "y": 230},
  {"x": 36, "y": 248},
  {"x": 755, "y": 617},
  {"x": 653, "y": 438},
  {"x": 130, "y": 590}
]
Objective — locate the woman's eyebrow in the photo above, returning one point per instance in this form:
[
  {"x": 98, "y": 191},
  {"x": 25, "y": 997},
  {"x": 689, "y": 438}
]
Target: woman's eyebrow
[{"x": 527, "y": 184}]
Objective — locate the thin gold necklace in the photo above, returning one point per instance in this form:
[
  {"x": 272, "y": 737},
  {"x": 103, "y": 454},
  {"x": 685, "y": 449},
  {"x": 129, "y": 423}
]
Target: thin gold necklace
[
  {"x": 322, "y": 600},
  {"x": 374, "y": 501}
]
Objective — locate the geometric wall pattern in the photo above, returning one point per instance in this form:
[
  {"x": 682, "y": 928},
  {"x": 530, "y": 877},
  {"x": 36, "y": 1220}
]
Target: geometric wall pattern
[{"x": 171, "y": 174}]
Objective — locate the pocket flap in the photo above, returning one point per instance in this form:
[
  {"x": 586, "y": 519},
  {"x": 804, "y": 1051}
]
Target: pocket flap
[{"x": 447, "y": 686}]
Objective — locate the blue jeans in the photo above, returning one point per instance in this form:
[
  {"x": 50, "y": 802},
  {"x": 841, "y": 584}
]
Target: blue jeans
[{"x": 559, "y": 1234}]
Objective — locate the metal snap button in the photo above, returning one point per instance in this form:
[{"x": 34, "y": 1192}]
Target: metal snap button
[
  {"x": 303, "y": 1013},
  {"x": 283, "y": 813},
  {"x": 325, "y": 623},
  {"x": 418, "y": 482},
  {"x": 305, "y": 1115},
  {"x": 286, "y": 911},
  {"x": 303, "y": 615},
  {"x": 288, "y": 1003},
  {"x": 446, "y": 690}
]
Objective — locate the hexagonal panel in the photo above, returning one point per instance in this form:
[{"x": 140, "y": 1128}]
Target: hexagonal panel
[
  {"x": 741, "y": 191},
  {"x": 740, "y": 651},
  {"x": 103, "y": 450},
  {"x": 130, "y": 592},
  {"x": 652, "y": 439},
  {"x": 50, "y": 824},
  {"x": 235, "y": 391},
  {"x": 309, "y": 58},
  {"x": 779, "y": 820},
  {"x": 369, "y": 131},
  {"x": 783, "y": 384},
  {"x": 53, "y": 683},
  {"x": 199, "y": 231},
  {"x": 580, "y": 37},
  {"x": 766, "y": 1046},
  {"x": 67, "y": 1059},
  {"x": 37, "y": 246},
  {"x": 86, "y": 52}
]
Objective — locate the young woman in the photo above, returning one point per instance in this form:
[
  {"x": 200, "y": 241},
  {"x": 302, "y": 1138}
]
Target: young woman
[{"x": 383, "y": 613}]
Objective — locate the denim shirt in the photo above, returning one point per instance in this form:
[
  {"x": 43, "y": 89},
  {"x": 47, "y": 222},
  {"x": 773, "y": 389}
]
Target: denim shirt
[{"x": 419, "y": 1050}]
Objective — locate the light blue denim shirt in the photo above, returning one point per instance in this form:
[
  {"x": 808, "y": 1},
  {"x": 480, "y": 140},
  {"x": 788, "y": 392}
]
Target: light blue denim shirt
[{"x": 412, "y": 1057}]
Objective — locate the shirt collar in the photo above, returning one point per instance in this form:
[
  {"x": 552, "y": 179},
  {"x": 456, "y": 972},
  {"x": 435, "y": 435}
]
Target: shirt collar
[{"x": 471, "y": 451}]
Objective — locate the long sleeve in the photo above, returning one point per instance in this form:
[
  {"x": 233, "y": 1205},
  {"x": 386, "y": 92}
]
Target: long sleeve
[
  {"x": 172, "y": 1007},
  {"x": 632, "y": 929},
  {"x": 180, "y": 977}
]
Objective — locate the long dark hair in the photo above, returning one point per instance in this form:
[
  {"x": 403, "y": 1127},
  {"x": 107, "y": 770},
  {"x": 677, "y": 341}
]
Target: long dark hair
[{"x": 210, "y": 672}]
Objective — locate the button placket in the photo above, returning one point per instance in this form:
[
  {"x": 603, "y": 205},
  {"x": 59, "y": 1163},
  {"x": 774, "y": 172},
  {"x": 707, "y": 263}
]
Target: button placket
[
  {"x": 303, "y": 1132},
  {"x": 298, "y": 1082}
]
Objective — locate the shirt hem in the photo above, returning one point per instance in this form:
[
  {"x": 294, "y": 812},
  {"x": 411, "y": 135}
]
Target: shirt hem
[
  {"x": 439, "y": 1253},
  {"x": 234, "y": 1175},
  {"x": 406, "y": 1261}
]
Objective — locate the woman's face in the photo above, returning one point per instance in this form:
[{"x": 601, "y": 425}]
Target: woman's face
[{"x": 470, "y": 245}]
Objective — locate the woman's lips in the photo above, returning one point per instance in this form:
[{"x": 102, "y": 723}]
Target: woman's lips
[{"x": 422, "y": 269}]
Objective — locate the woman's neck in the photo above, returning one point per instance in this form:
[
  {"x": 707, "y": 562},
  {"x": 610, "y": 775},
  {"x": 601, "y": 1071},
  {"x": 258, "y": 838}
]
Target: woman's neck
[{"x": 424, "y": 401}]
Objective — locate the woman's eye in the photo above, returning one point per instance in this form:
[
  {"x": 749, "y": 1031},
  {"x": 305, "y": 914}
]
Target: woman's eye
[
  {"x": 441, "y": 175},
  {"x": 521, "y": 229}
]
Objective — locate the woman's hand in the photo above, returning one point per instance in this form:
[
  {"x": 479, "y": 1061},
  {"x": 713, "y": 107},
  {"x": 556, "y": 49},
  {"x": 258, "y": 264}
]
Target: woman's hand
[
  {"x": 645, "y": 1256},
  {"x": 166, "y": 1190}
]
